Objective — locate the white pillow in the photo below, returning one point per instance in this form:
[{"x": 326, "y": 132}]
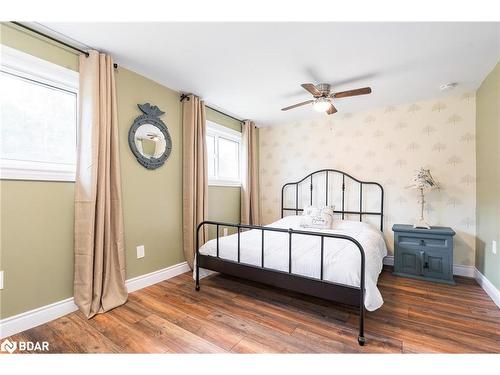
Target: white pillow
[{"x": 319, "y": 218}]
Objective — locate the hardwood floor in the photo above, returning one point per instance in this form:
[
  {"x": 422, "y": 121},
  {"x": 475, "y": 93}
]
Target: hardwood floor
[{"x": 232, "y": 315}]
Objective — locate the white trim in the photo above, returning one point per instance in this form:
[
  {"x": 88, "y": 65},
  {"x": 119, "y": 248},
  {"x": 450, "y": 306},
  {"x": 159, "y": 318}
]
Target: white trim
[
  {"x": 488, "y": 287},
  {"x": 466, "y": 271},
  {"x": 224, "y": 183},
  {"x": 28, "y": 66},
  {"x": 41, "y": 315},
  {"x": 459, "y": 270},
  {"x": 29, "y": 319},
  {"x": 388, "y": 260},
  {"x": 217, "y": 129},
  {"x": 38, "y": 171},
  {"x": 155, "y": 277}
]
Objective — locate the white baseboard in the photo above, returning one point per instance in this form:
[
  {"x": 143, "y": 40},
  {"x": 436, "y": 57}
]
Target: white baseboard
[
  {"x": 459, "y": 270},
  {"x": 488, "y": 287},
  {"x": 155, "y": 277},
  {"x": 388, "y": 260},
  {"x": 467, "y": 271},
  {"x": 29, "y": 319}
]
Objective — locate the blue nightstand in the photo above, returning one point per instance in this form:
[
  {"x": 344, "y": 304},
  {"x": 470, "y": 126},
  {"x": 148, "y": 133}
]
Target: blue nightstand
[{"x": 425, "y": 254}]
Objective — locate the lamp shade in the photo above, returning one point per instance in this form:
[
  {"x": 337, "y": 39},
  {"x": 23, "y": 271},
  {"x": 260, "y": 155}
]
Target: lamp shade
[{"x": 423, "y": 180}]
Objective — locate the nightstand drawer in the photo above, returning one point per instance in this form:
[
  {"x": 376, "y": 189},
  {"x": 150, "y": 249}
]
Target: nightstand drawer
[{"x": 408, "y": 240}]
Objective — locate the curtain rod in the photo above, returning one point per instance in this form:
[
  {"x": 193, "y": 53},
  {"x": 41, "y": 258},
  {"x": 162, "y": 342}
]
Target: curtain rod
[
  {"x": 54, "y": 39},
  {"x": 184, "y": 96}
]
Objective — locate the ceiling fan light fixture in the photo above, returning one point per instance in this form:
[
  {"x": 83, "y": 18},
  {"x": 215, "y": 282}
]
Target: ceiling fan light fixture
[
  {"x": 323, "y": 98},
  {"x": 322, "y": 104}
]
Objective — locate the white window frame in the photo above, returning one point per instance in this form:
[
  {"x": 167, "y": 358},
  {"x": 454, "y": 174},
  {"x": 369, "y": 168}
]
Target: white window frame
[
  {"x": 31, "y": 68},
  {"x": 218, "y": 131}
]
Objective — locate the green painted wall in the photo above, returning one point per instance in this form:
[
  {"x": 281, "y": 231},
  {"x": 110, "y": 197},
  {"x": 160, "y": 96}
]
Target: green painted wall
[
  {"x": 31, "y": 43},
  {"x": 488, "y": 176},
  {"x": 36, "y": 229},
  {"x": 36, "y": 244},
  {"x": 223, "y": 205},
  {"x": 152, "y": 200},
  {"x": 223, "y": 120}
]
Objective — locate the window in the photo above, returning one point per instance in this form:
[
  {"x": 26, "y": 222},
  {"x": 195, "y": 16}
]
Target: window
[
  {"x": 38, "y": 118},
  {"x": 224, "y": 155}
]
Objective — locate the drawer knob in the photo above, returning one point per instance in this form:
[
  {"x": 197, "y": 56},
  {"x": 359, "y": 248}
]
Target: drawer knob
[{"x": 422, "y": 242}]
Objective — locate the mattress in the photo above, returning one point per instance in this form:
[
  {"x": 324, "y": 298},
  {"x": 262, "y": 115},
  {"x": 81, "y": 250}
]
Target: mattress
[{"x": 342, "y": 260}]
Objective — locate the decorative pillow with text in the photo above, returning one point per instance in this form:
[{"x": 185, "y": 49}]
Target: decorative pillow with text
[{"x": 318, "y": 218}]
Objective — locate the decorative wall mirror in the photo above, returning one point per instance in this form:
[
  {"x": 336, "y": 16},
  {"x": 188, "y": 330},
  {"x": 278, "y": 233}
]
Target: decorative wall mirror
[{"x": 149, "y": 138}]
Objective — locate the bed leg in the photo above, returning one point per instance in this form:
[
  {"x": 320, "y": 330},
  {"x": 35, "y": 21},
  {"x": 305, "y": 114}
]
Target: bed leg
[
  {"x": 197, "y": 285},
  {"x": 197, "y": 258},
  {"x": 361, "y": 337}
]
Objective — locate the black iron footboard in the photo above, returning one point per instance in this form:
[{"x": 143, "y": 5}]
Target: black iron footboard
[{"x": 287, "y": 280}]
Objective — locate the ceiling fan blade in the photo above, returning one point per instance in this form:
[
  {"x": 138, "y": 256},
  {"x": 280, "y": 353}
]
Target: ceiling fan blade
[
  {"x": 345, "y": 94},
  {"x": 331, "y": 110},
  {"x": 312, "y": 89},
  {"x": 297, "y": 105}
]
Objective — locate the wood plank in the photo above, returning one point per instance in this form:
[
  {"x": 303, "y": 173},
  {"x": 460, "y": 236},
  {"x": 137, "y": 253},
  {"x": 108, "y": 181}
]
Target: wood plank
[
  {"x": 77, "y": 334},
  {"x": 128, "y": 337},
  {"x": 376, "y": 343},
  {"x": 281, "y": 342},
  {"x": 431, "y": 339},
  {"x": 286, "y": 300},
  {"x": 223, "y": 335},
  {"x": 249, "y": 346},
  {"x": 177, "y": 339},
  {"x": 228, "y": 314},
  {"x": 210, "y": 299}
]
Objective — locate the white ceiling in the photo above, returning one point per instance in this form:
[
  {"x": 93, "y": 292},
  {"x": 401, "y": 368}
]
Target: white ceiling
[{"x": 251, "y": 70}]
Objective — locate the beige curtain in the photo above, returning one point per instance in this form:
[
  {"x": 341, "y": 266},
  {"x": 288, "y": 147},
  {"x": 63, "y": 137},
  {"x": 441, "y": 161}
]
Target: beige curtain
[
  {"x": 99, "y": 283},
  {"x": 250, "y": 205},
  {"x": 195, "y": 175}
]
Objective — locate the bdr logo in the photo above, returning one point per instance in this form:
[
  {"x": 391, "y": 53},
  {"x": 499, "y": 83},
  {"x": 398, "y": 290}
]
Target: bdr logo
[{"x": 22, "y": 346}]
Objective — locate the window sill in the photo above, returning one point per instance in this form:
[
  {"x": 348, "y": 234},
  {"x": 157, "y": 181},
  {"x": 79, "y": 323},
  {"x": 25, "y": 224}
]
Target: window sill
[
  {"x": 34, "y": 172},
  {"x": 224, "y": 183}
]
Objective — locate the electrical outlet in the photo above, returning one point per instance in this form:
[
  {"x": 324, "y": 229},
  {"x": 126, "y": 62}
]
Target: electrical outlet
[
  {"x": 224, "y": 231},
  {"x": 140, "y": 251},
  {"x": 1, "y": 280},
  {"x": 494, "y": 247}
]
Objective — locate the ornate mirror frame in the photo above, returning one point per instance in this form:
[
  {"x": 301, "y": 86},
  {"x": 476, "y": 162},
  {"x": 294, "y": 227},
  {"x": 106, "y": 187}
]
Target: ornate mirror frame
[{"x": 151, "y": 115}]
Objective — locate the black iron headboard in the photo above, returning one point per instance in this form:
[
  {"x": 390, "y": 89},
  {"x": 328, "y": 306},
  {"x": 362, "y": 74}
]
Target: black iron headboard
[{"x": 343, "y": 212}]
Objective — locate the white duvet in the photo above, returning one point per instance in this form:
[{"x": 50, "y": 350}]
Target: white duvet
[{"x": 342, "y": 258}]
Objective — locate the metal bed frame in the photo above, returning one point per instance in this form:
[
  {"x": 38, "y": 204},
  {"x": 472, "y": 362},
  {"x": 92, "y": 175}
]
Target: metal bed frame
[{"x": 321, "y": 288}]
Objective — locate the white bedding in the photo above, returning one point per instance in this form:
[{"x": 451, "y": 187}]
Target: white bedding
[{"x": 342, "y": 258}]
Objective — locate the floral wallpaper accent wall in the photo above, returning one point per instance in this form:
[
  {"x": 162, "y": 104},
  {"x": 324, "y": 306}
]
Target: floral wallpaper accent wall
[{"x": 386, "y": 145}]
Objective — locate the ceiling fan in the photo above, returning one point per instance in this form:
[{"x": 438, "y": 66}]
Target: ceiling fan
[{"x": 323, "y": 97}]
